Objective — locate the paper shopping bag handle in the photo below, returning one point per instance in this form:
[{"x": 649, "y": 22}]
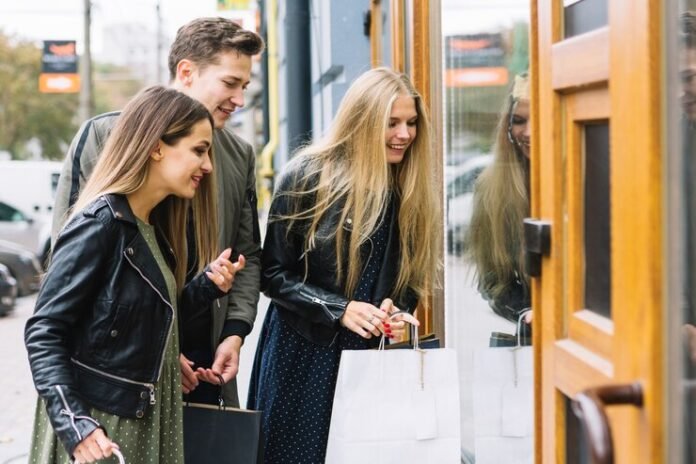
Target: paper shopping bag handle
[
  {"x": 414, "y": 332},
  {"x": 118, "y": 454},
  {"x": 519, "y": 327}
]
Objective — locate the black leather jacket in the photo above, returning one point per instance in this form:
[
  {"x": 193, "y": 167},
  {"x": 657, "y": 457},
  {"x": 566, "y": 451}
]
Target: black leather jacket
[
  {"x": 313, "y": 303},
  {"x": 102, "y": 319}
]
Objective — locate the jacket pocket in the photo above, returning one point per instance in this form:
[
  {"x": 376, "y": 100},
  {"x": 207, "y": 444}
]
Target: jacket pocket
[
  {"x": 253, "y": 201},
  {"x": 116, "y": 331}
]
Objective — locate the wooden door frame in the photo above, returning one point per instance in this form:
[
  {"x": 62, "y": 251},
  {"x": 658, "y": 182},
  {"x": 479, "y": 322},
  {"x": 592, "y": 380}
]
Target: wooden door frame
[
  {"x": 426, "y": 74},
  {"x": 560, "y": 67}
]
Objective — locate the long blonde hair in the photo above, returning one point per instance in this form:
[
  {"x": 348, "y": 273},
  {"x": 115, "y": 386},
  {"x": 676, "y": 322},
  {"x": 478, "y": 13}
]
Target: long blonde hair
[
  {"x": 495, "y": 240},
  {"x": 348, "y": 167},
  {"x": 157, "y": 114}
]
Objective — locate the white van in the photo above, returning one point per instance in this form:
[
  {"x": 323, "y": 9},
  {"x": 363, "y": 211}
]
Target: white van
[{"x": 30, "y": 185}]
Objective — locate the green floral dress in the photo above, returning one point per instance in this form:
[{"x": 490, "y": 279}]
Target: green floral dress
[{"x": 156, "y": 439}]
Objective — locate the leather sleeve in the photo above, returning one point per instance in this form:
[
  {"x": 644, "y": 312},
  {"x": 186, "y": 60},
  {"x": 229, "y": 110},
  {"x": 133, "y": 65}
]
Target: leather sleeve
[
  {"x": 408, "y": 302},
  {"x": 244, "y": 295},
  {"x": 198, "y": 294},
  {"x": 67, "y": 292},
  {"x": 283, "y": 266}
]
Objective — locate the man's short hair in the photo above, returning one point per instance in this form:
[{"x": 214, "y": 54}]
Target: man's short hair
[
  {"x": 203, "y": 39},
  {"x": 688, "y": 29}
]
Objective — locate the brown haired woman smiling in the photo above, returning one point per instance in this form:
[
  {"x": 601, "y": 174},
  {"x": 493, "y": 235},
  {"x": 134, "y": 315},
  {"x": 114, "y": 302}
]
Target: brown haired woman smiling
[{"x": 103, "y": 341}]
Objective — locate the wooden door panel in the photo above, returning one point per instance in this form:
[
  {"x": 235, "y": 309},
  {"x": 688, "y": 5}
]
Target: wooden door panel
[
  {"x": 580, "y": 60},
  {"x": 613, "y": 75}
]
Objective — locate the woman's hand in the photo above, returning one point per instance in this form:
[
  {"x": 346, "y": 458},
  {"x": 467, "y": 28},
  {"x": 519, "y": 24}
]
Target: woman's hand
[
  {"x": 364, "y": 319},
  {"x": 94, "y": 447},
  {"x": 222, "y": 270},
  {"x": 189, "y": 379},
  {"x": 395, "y": 328}
]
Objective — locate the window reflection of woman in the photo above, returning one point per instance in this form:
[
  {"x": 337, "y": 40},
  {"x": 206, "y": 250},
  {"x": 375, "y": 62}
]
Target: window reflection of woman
[{"x": 501, "y": 202}]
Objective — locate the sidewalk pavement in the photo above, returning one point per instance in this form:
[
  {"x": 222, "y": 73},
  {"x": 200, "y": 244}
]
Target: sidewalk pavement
[{"x": 18, "y": 394}]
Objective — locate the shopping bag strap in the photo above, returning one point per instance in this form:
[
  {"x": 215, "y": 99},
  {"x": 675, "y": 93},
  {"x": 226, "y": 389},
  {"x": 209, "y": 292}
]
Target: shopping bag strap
[
  {"x": 221, "y": 400},
  {"x": 118, "y": 454},
  {"x": 519, "y": 327},
  {"x": 414, "y": 332}
]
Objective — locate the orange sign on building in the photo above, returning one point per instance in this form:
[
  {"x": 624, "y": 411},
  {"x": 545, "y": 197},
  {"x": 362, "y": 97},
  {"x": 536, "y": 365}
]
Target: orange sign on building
[
  {"x": 59, "y": 83},
  {"x": 476, "y": 77},
  {"x": 59, "y": 67}
]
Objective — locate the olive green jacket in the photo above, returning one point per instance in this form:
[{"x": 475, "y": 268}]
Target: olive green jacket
[{"x": 234, "y": 159}]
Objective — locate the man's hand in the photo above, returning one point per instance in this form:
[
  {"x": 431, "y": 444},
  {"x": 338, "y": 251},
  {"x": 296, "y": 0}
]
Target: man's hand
[
  {"x": 189, "y": 380},
  {"x": 226, "y": 361},
  {"x": 689, "y": 332}
]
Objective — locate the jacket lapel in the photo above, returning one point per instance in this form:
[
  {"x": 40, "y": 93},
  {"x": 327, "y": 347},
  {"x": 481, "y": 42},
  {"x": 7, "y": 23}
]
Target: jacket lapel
[{"x": 137, "y": 252}]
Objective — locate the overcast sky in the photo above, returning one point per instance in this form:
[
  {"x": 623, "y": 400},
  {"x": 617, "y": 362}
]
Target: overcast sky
[{"x": 62, "y": 19}]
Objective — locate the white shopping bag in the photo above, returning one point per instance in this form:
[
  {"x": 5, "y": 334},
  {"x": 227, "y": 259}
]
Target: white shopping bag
[
  {"x": 504, "y": 405},
  {"x": 396, "y": 406}
]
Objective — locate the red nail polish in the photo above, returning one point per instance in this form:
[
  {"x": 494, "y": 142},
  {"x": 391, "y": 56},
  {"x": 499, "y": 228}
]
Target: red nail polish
[{"x": 386, "y": 324}]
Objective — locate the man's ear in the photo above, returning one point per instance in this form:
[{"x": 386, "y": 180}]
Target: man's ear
[{"x": 184, "y": 71}]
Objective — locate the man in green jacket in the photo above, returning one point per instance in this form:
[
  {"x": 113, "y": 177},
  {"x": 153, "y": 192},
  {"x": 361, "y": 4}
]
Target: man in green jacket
[{"x": 210, "y": 60}]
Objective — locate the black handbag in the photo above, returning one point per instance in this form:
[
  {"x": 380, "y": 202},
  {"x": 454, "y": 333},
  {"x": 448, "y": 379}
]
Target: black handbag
[{"x": 221, "y": 435}]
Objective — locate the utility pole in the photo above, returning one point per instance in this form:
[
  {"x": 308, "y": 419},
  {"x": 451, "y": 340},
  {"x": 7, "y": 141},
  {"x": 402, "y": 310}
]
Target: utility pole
[
  {"x": 86, "y": 98},
  {"x": 158, "y": 59}
]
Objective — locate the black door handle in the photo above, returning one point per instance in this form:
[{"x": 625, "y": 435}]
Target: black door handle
[{"x": 588, "y": 407}]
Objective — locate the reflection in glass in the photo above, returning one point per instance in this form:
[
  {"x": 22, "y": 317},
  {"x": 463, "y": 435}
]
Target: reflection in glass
[
  {"x": 687, "y": 72},
  {"x": 597, "y": 220},
  {"x": 485, "y": 46},
  {"x": 501, "y": 202},
  {"x": 576, "y": 441},
  {"x": 580, "y": 16}
]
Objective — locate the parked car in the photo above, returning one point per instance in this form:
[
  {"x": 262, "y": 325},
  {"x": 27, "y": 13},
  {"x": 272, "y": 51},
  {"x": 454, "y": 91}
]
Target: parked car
[
  {"x": 8, "y": 291},
  {"x": 31, "y": 232},
  {"x": 30, "y": 185},
  {"x": 23, "y": 266},
  {"x": 459, "y": 191}
]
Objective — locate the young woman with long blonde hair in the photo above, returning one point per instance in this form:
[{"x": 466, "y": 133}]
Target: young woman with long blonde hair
[
  {"x": 501, "y": 202},
  {"x": 103, "y": 342},
  {"x": 351, "y": 238}
]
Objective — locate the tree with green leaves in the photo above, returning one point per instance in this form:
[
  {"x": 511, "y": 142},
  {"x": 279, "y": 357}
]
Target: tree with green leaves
[{"x": 26, "y": 113}]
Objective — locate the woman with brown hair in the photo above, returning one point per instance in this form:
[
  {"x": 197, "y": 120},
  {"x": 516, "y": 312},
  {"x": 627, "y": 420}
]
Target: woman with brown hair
[{"x": 103, "y": 342}]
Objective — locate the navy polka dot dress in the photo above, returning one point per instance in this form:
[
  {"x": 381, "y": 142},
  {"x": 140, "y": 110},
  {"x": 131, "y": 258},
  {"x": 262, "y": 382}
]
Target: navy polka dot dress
[{"x": 293, "y": 380}]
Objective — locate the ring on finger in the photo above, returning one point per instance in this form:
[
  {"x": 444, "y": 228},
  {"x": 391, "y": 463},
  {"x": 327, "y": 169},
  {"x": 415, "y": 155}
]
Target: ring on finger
[{"x": 372, "y": 320}]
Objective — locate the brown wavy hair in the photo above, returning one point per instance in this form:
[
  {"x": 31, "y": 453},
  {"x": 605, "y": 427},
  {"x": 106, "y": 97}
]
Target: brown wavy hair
[
  {"x": 158, "y": 114},
  {"x": 203, "y": 39}
]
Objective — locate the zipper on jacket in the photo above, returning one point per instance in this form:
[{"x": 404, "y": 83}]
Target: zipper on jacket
[
  {"x": 149, "y": 386},
  {"x": 66, "y": 411},
  {"x": 324, "y": 304},
  {"x": 171, "y": 323}
]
